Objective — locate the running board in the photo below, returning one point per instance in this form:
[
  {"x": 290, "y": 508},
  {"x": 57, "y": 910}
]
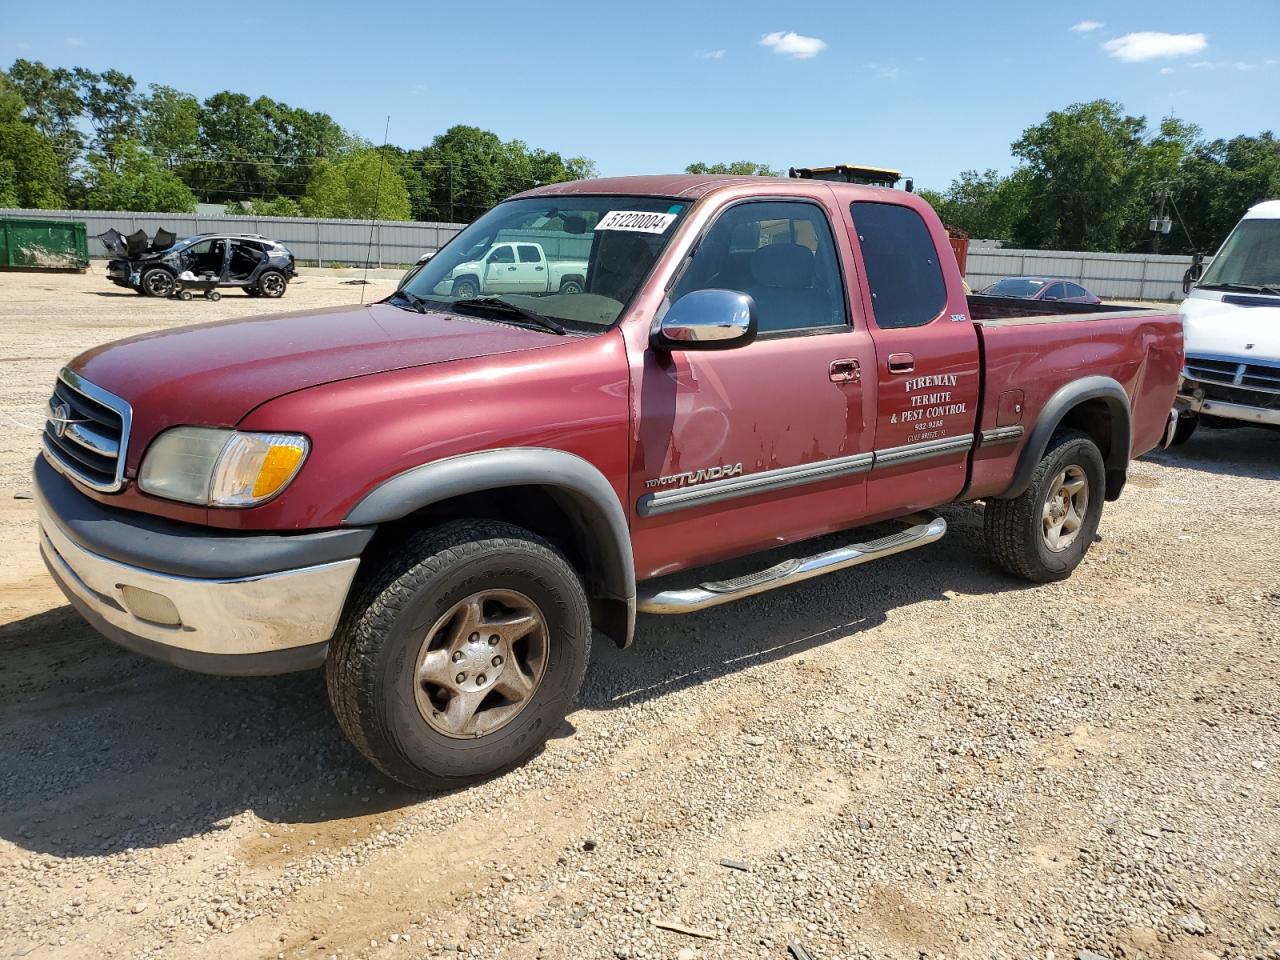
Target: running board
[{"x": 926, "y": 529}]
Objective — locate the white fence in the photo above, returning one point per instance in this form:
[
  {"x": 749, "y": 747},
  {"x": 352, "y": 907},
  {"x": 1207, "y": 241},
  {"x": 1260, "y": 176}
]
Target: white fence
[
  {"x": 1127, "y": 276},
  {"x": 322, "y": 242}
]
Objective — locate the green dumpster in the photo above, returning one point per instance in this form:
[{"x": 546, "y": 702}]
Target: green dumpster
[{"x": 27, "y": 244}]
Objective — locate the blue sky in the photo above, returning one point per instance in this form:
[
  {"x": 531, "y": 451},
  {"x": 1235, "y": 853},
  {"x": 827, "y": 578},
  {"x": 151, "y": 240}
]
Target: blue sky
[{"x": 930, "y": 87}]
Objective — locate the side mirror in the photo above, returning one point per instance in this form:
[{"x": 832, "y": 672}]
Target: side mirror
[{"x": 707, "y": 320}]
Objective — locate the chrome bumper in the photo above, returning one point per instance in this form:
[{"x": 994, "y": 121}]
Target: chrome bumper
[
  {"x": 1231, "y": 411},
  {"x": 268, "y": 614}
]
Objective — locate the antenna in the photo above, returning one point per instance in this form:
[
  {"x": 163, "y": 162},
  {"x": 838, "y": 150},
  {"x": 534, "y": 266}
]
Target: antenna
[{"x": 373, "y": 214}]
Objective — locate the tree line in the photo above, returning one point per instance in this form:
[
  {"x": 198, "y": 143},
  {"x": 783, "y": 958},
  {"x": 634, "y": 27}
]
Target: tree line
[
  {"x": 73, "y": 138},
  {"x": 1091, "y": 177}
]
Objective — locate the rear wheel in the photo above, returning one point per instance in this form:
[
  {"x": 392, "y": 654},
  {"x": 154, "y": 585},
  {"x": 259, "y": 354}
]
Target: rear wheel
[
  {"x": 1043, "y": 534},
  {"x": 460, "y": 655},
  {"x": 272, "y": 284},
  {"x": 157, "y": 282},
  {"x": 571, "y": 286}
]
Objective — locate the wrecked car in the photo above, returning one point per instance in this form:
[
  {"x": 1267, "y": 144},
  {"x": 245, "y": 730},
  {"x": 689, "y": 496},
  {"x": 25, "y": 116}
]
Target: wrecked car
[{"x": 261, "y": 267}]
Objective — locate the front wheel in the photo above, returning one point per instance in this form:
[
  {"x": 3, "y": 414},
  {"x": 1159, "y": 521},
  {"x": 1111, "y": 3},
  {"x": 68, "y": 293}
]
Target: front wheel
[
  {"x": 1043, "y": 534},
  {"x": 466, "y": 289},
  {"x": 460, "y": 655},
  {"x": 157, "y": 282}
]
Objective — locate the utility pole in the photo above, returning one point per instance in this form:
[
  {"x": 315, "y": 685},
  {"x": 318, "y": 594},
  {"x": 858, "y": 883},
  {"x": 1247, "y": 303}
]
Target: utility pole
[{"x": 451, "y": 220}]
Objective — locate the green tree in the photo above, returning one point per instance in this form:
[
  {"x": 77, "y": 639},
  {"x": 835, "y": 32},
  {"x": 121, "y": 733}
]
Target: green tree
[
  {"x": 171, "y": 124},
  {"x": 1218, "y": 182},
  {"x": 1084, "y": 190},
  {"x": 30, "y": 171},
  {"x": 983, "y": 204},
  {"x": 52, "y": 104},
  {"x": 135, "y": 181},
  {"x": 738, "y": 168},
  {"x": 347, "y": 188},
  {"x": 113, "y": 108}
]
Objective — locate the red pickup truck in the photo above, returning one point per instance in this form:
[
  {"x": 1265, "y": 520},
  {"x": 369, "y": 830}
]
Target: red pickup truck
[{"x": 440, "y": 496}]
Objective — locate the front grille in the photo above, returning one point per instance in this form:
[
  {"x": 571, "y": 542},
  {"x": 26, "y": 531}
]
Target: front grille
[
  {"x": 1234, "y": 373},
  {"x": 87, "y": 432}
]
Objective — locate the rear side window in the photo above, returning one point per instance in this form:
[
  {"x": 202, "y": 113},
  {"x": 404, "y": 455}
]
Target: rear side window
[
  {"x": 528, "y": 253},
  {"x": 1075, "y": 290},
  {"x": 903, "y": 273}
]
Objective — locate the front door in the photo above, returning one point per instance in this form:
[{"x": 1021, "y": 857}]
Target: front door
[
  {"x": 751, "y": 447},
  {"x": 926, "y": 359},
  {"x": 500, "y": 270}
]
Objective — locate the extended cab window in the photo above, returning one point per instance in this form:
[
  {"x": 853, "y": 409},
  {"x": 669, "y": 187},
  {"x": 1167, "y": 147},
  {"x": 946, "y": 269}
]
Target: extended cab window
[
  {"x": 903, "y": 274},
  {"x": 782, "y": 254}
]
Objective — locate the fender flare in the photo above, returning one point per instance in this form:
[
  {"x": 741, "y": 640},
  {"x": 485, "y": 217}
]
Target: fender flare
[
  {"x": 1056, "y": 408},
  {"x": 585, "y": 490}
]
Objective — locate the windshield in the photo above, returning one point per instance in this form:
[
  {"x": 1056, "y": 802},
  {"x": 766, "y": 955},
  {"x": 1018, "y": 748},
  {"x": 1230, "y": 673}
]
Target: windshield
[
  {"x": 1015, "y": 287},
  {"x": 578, "y": 259},
  {"x": 1249, "y": 258}
]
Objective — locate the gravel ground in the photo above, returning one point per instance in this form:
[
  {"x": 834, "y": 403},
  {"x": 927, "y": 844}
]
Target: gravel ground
[{"x": 917, "y": 758}]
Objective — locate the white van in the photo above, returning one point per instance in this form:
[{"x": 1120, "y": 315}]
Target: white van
[{"x": 1231, "y": 323}]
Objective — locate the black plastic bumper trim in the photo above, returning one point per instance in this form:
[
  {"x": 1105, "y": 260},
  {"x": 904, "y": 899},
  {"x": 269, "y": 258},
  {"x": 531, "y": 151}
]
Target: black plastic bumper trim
[{"x": 185, "y": 549}]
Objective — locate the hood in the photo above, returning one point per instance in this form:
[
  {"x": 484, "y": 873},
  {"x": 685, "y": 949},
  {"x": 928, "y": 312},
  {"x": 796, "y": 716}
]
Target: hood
[
  {"x": 215, "y": 373},
  {"x": 1212, "y": 328}
]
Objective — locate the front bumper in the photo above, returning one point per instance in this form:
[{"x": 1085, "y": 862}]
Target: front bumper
[
  {"x": 260, "y": 622},
  {"x": 1192, "y": 399}
]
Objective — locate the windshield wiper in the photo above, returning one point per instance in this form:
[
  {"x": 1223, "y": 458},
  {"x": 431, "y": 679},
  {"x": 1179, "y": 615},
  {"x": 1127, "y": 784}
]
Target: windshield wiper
[
  {"x": 1245, "y": 287},
  {"x": 414, "y": 301},
  {"x": 498, "y": 305}
]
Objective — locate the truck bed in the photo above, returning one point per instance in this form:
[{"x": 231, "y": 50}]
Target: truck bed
[
  {"x": 983, "y": 308},
  {"x": 1031, "y": 349}
]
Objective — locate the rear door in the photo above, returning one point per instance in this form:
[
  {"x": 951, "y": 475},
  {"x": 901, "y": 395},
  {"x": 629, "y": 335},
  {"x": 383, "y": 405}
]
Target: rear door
[
  {"x": 926, "y": 357},
  {"x": 531, "y": 268}
]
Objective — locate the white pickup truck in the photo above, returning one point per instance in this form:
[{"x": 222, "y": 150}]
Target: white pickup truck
[
  {"x": 1231, "y": 322},
  {"x": 515, "y": 267}
]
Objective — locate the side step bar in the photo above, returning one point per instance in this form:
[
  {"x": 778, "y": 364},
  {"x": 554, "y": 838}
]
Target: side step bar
[{"x": 926, "y": 529}]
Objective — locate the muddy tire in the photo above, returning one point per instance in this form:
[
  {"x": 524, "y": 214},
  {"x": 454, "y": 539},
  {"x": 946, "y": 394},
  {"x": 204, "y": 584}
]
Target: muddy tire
[
  {"x": 1043, "y": 534},
  {"x": 459, "y": 654},
  {"x": 157, "y": 282}
]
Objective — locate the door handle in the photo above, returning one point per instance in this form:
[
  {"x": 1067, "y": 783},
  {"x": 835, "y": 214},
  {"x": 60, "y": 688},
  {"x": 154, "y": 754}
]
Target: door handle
[
  {"x": 901, "y": 363},
  {"x": 539, "y": 269},
  {"x": 511, "y": 269},
  {"x": 845, "y": 371}
]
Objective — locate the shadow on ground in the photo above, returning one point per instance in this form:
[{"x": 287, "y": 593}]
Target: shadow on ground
[
  {"x": 1234, "y": 452},
  {"x": 108, "y": 750}
]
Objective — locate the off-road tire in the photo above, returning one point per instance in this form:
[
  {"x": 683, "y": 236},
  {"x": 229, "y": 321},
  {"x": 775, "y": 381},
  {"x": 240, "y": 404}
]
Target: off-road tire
[
  {"x": 272, "y": 284},
  {"x": 1014, "y": 527},
  {"x": 157, "y": 282},
  {"x": 373, "y": 659}
]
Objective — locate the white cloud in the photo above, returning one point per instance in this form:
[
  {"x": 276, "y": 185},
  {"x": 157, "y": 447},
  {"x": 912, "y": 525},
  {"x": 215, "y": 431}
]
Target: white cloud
[
  {"x": 1241, "y": 65},
  {"x": 713, "y": 55},
  {"x": 1148, "y": 45},
  {"x": 1088, "y": 26},
  {"x": 1166, "y": 70},
  {"x": 74, "y": 42},
  {"x": 1204, "y": 65},
  {"x": 791, "y": 44}
]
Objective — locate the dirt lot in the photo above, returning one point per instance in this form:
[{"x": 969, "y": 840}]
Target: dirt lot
[{"x": 915, "y": 758}]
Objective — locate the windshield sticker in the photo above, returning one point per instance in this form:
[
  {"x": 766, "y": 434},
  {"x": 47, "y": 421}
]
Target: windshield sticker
[{"x": 635, "y": 221}]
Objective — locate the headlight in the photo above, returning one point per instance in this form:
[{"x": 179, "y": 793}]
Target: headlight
[{"x": 221, "y": 468}]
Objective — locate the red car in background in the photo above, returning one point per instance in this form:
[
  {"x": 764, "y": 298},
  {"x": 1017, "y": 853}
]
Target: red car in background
[{"x": 1040, "y": 288}]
